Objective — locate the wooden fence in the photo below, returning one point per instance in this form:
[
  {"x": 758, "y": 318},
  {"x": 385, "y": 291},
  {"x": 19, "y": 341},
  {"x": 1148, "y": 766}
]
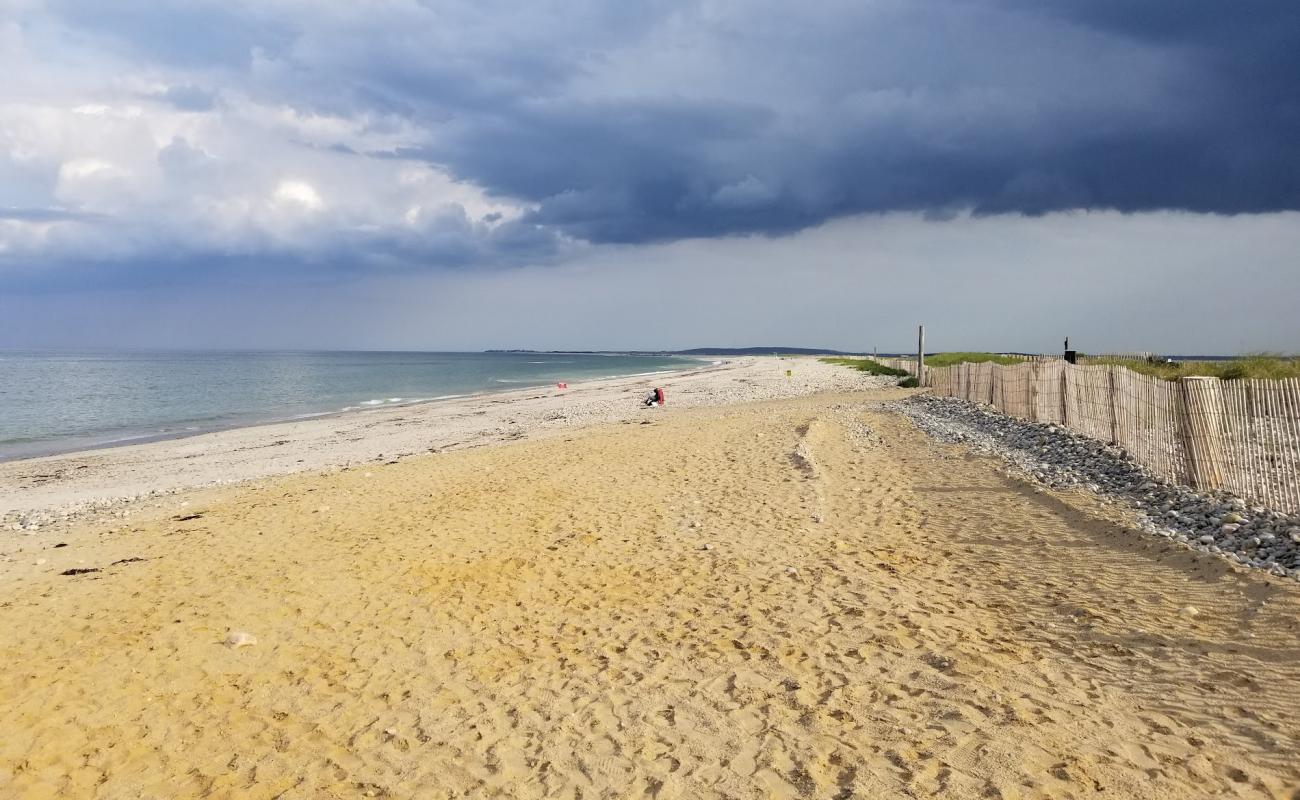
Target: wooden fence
[
  {"x": 1241, "y": 436},
  {"x": 909, "y": 362},
  {"x": 1028, "y": 357},
  {"x": 906, "y": 364}
]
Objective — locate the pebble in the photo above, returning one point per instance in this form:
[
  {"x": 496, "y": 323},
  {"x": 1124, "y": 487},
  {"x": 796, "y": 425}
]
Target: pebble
[
  {"x": 791, "y": 571},
  {"x": 706, "y": 546},
  {"x": 829, "y": 378},
  {"x": 1190, "y": 611},
  {"x": 1058, "y": 458}
]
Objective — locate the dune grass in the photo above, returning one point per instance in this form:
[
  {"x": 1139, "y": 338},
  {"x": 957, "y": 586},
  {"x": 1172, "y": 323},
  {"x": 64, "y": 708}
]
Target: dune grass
[
  {"x": 865, "y": 365},
  {"x": 1270, "y": 366},
  {"x": 948, "y": 359}
]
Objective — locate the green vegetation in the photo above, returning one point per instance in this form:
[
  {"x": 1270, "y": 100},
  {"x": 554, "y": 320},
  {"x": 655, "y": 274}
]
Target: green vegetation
[
  {"x": 1272, "y": 366},
  {"x": 865, "y": 365},
  {"x": 907, "y": 381},
  {"x": 948, "y": 359}
]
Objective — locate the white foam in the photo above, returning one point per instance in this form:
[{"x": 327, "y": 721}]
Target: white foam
[{"x": 372, "y": 402}]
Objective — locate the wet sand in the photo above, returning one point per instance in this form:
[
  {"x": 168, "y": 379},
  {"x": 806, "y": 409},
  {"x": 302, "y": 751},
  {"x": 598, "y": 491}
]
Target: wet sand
[{"x": 793, "y": 598}]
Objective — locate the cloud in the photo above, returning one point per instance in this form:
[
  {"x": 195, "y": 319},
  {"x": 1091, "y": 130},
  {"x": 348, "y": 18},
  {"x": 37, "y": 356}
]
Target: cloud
[
  {"x": 47, "y": 215},
  {"x": 427, "y": 134},
  {"x": 1176, "y": 283},
  {"x": 300, "y": 194},
  {"x": 189, "y": 98}
]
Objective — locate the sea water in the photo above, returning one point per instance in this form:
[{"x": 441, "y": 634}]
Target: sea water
[{"x": 54, "y": 402}]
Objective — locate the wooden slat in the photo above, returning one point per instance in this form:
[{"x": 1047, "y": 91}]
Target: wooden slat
[{"x": 1256, "y": 426}]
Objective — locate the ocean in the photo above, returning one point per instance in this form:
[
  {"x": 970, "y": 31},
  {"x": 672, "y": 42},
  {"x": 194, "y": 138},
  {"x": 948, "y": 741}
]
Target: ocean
[{"x": 58, "y": 402}]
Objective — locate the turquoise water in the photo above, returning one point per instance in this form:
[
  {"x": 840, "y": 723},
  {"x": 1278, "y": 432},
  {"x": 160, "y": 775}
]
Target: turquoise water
[{"x": 60, "y": 402}]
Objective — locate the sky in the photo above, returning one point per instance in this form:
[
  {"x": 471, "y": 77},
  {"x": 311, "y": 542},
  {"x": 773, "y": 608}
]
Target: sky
[{"x": 413, "y": 174}]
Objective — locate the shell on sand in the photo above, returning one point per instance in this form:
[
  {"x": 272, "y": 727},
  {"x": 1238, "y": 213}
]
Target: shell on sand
[{"x": 237, "y": 639}]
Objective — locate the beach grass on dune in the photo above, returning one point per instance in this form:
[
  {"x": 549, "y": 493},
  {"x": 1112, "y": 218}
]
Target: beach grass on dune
[
  {"x": 1270, "y": 366},
  {"x": 948, "y": 359},
  {"x": 864, "y": 365}
]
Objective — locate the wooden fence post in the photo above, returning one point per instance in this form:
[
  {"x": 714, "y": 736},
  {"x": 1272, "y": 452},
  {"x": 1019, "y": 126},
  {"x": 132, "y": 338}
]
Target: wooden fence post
[
  {"x": 1202, "y": 412},
  {"x": 920, "y": 356},
  {"x": 1065, "y": 404},
  {"x": 1033, "y": 391},
  {"x": 1114, "y": 405}
]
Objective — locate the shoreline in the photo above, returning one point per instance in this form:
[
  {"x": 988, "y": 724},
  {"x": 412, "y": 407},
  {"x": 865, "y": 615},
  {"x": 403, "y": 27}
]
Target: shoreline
[
  {"x": 37, "y": 492},
  {"x": 362, "y": 406}
]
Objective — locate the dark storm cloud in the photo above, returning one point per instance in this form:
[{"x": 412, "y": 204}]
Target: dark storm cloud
[
  {"x": 1242, "y": 151},
  {"x": 632, "y": 123},
  {"x": 993, "y": 107}
]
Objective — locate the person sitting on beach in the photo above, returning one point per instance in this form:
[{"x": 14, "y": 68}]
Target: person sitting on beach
[{"x": 657, "y": 396}]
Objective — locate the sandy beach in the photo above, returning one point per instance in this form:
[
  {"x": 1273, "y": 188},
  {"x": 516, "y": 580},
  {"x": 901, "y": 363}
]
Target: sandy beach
[
  {"x": 42, "y": 491},
  {"x": 769, "y": 588}
]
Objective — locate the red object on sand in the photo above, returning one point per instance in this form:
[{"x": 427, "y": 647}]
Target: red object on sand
[
  {"x": 561, "y": 385},
  {"x": 659, "y": 396}
]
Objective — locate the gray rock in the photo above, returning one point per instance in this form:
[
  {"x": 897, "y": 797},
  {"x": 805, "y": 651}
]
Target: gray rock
[{"x": 1056, "y": 457}]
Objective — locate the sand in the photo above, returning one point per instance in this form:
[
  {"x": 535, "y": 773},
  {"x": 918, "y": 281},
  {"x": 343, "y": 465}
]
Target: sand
[
  {"x": 793, "y": 598},
  {"x": 41, "y": 489}
]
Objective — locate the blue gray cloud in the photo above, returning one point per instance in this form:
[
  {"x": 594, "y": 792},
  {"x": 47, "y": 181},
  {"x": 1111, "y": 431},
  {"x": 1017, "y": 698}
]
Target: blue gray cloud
[{"x": 408, "y": 134}]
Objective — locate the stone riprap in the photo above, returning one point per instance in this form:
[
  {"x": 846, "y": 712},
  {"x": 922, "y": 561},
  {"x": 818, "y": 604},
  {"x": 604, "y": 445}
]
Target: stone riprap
[{"x": 1057, "y": 457}]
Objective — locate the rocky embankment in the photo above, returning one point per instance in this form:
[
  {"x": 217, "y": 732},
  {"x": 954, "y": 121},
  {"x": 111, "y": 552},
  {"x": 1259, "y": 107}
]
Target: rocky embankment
[{"x": 1060, "y": 458}]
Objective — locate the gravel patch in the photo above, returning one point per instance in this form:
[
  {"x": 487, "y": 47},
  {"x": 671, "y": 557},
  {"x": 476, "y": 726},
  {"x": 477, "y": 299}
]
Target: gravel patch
[{"x": 1214, "y": 523}]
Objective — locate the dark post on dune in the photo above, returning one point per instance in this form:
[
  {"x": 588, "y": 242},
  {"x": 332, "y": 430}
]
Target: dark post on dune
[{"x": 920, "y": 355}]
